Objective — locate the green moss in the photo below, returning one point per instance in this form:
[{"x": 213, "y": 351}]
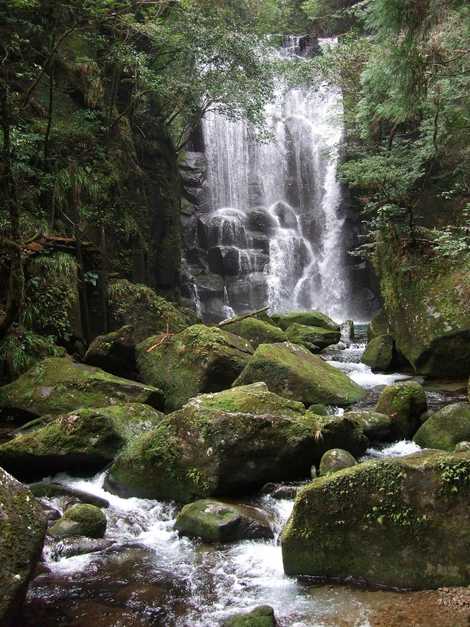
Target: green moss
[
  {"x": 379, "y": 353},
  {"x": 22, "y": 529},
  {"x": 86, "y": 440},
  {"x": 140, "y": 306},
  {"x": 313, "y": 338},
  {"x": 292, "y": 371},
  {"x": 58, "y": 385},
  {"x": 257, "y": 331},
  {"x": 199, "y": 359},
  {"x": 306, "y": 318},
  {"x": 404, "y": 402},
  {"x": 427, "y": 305},
  {"x": 445, "y": 428},
  {"x": 391, "y": 522},
  {"x": 80, "y": 520}
]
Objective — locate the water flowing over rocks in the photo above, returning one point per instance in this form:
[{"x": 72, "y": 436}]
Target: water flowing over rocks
[
  {"x": 400, "y": 523},
  {"x": 59, "y": 385},
  {"x": 22, "y": 529},
  {"x": 266, "y": 221}
]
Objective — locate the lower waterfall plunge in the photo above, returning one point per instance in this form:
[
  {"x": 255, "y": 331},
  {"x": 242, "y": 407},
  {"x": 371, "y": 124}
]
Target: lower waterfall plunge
[{"x": 272, "y": 226}]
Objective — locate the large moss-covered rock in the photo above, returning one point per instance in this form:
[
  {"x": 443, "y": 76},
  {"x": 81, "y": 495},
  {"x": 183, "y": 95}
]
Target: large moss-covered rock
[
  {"x": 375, "y": 426},
  {"x": 257, "y": 331},
  {"x": 80, "y": 520},
  {"x": 379, "y": 353},
  {"x": 307, "y": 318},
  {"x": 199, "y": 359},
  {"x": 335, "y": 459},
  {"x": 397, "y": 522},
  {"x": 147, "y": 312},
  {"x": 428, "y": 308},
  {"x": 292, "y": 371},
  {"x": 262, "y": 616},
  {"x": 227, "y": 444},
  {"x": 445, "y": 428},
  {"x": 114, "y": 352},
  {"x": 216, "y": 521},
  {"x": 83, "y": 441},
  {"x": 59, "y": 385},
  {"x": 404, "y": 402},
  {"x": 22, "y": 529},
  {"x": 313, "y": 338}
]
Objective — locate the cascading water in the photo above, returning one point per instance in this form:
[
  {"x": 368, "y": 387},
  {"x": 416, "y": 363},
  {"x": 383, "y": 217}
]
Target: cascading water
[{"x": 274, "y": 230}]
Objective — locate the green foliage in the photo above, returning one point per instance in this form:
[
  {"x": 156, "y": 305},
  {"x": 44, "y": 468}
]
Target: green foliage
[
  {"x": 19, "y": 351},
  {"x": 51, "y": 295}
]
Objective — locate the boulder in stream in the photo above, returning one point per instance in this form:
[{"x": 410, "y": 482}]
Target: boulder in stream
[
  {"x": 227, "y": 444},
  {"x": 262, "y": 616},
  {"x": 292, "y": 371},
  {"x": 22, "y": 530},
  {"x": 445, "y": 428},
  {"x": 307, "y": 318},
  {"x": 83, "y": 441},
  {"x": 257, "y": 331},
  {"x": 398, "y": 522},
  {"x": 199, "y": 359},
  {"x": 80, "y": 520},
  {"x": 58, "y": 385},
  {"x": 404, "y": 402},
  {"x": 376, "y": 426},
  {"x": 313, "y": 338},
  {"x": 335, "y": 459},
  {"x": 379, "y": 353},
  {"x": 217, "y": 521}
]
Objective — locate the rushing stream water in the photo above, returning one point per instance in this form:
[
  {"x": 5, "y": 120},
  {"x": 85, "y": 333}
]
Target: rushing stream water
[{"x": 150, "y": 577}]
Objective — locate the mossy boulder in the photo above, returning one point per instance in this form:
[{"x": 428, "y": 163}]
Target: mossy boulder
[
  {"x": 400, "y": 522},
  {"x": 199, "y": 359},
  {"x": 313, "y": 338},
  {"x": 114, "y": 353},
  {"x": 306, "y": 318},
  {"x": 445, "y": 428},
  {"x": 335, "y": 459},
  {"x": 262, "y": 616},
  {"x": 217, "y": 521},
  {"x": 229, "y": 443},
  {"x": 59, "y": 385},
  {"x": 379, "y": 353},
  {"x": 147, "y": 312},
  {"x": 376, "y": 426},
  {"x": 428, "y": 307},
  {"x": 80, "y": 520},
  {"x": 83, "y": 441},
  {"x": 404, "y": 402},
  {"x": 257, "y": 331},
  {"x": 22, "y": 530},
  {"x": 292, "y": 371}
]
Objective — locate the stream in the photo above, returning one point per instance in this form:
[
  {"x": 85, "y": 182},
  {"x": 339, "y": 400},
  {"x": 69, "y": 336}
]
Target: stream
[{"x": 150, "y": 577}]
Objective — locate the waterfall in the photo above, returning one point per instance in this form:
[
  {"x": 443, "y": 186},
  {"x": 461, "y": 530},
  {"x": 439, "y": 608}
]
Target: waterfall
[{"x": 273, "y": 230}]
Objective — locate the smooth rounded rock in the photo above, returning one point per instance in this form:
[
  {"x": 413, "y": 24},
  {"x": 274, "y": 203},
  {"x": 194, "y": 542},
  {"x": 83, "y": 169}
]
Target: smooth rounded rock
[
  {"x": 335, "y": 459},
  {"x": 80, "y": 520}
]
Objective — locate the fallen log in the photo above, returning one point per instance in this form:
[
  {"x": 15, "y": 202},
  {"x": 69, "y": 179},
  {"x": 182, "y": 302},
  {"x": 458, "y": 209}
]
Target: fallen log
[{"x": 252, "y": 314}]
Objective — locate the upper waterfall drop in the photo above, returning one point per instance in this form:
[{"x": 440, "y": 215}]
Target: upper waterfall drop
[{"x": 271, "y": 222}]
